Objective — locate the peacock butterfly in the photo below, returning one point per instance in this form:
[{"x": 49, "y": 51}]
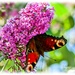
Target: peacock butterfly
[{"x": 40, "y": 44}]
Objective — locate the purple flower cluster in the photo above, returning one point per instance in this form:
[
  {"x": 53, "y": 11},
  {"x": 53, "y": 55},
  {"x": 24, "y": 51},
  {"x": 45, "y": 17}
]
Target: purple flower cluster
[{"x": 34, "y": 19}]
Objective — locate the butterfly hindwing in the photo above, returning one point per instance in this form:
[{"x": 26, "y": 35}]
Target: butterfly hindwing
[{"x": 32, "y": 56}]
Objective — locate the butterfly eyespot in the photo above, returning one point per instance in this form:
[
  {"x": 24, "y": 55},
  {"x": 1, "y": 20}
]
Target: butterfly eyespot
[
  {"x": 60, "y": 43},
  {"x": 29, "y": 68}
]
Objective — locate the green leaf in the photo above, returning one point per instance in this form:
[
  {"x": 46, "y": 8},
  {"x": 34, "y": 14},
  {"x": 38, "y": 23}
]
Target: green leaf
[
  {"x": 49, "y": 32},
  {"x": 20, "y": 5},
  {"x": 60, "y": 10},
  {"x": 68, "y": 23},
  {"x": 67, "y": 55},
  {"x": 9, "y": 64}
]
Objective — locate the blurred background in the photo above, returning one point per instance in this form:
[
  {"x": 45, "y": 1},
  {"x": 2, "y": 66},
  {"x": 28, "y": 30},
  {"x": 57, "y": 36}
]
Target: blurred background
[{"x": 63, "y": 23}]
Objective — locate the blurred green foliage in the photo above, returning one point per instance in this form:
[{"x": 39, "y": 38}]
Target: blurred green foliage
[{"x": 62, "y": 22}]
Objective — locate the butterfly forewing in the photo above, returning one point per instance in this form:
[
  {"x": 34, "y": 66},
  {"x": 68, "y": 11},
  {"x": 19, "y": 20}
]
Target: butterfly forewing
[{"x": 46, "y": 43}]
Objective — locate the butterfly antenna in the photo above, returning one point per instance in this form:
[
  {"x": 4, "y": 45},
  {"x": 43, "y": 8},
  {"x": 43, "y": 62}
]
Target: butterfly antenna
[{"x": 50, "y": 58}]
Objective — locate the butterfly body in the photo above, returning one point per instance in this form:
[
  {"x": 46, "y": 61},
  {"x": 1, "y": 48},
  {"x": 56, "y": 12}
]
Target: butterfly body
[{"x": 40, "y": 44}]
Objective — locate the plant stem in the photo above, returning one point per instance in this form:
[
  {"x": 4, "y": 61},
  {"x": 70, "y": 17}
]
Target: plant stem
[{"x": 4, "y": 65}]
